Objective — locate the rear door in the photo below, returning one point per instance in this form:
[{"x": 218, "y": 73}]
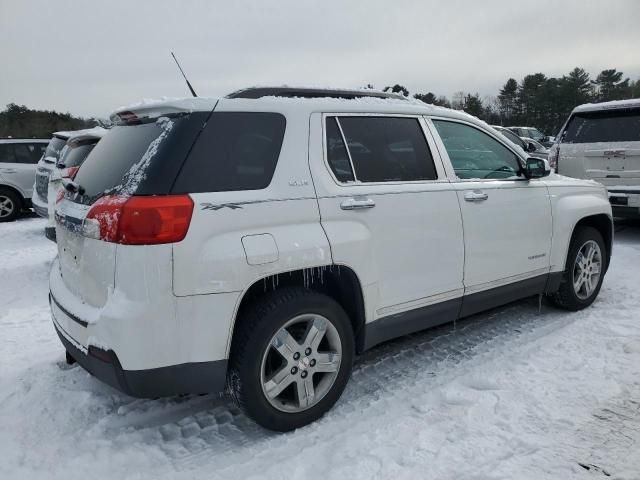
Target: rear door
[
  {"x": 389, "y": 211},
  {"x": 603, "y": 146},
  {"x": 506, "y": 218},
  {"x": 27, "y": 156},
  {"x": 18, "y": 165}
]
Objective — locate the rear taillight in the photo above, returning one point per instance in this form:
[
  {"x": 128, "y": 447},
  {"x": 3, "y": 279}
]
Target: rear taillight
[
  {"x": 139, "y": 220},
  {"x": 69, "y": 172}
]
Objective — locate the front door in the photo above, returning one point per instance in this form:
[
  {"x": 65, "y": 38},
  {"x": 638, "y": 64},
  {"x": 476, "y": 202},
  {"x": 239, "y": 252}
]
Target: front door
[{"x": 506, "y": 218}]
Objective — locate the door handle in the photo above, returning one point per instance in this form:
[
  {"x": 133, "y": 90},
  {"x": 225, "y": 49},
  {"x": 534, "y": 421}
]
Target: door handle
[
  {"x": 7, "y": 170},
  {"x": 475, "y": 196},
  {"x": 357, "y": 204}
]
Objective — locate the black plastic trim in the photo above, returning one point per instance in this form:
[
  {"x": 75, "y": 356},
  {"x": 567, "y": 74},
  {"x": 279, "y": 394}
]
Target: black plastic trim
[
  {"x": 404, "y": 323},
  {"x": 487, "y": 299},
  {"x": 393, "y": 326},
  {"x": 80, "y": 322},
  {"x": 625, "y": 212},
  {"x": 200, "y": 377},
  {"x": 50, "y": 233}
]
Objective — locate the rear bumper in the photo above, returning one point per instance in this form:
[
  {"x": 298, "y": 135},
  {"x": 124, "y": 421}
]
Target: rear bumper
[
  {"x": 625, "y": 201},
  {"x": 41, "y": 207},
  {"x": 199, "y": 377}
]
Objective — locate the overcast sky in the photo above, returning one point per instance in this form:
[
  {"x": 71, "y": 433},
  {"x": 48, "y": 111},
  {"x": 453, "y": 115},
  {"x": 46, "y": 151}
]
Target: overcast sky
[{"x": 90, "y": 57}]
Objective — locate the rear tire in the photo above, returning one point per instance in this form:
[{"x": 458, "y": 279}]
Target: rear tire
[
  {"x": 291, "y": 358},
  {"x": 584, "y": 270},
  {"x": 10, "y": 205}
]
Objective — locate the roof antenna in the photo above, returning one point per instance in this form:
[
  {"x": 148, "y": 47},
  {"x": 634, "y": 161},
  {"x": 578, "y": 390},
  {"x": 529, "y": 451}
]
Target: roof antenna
[{"x": 185, "y": 77}]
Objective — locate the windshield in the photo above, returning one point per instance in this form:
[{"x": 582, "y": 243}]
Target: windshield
[
  {"x": 74, "y": 155},
  {"x": 534, "y": 133}
]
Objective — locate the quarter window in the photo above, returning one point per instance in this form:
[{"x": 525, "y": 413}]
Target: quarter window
[
  {"x": 382, "y": 149},
  {"x": 6, "y": 153},
  {"x": 235, "y": 151},
  {"x": 474, "y": 154}
]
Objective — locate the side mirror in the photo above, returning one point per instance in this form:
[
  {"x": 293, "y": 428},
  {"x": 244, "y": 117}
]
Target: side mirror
[
  {"x": 537, "y": 168},
  {"x": 531, "y": 147}
]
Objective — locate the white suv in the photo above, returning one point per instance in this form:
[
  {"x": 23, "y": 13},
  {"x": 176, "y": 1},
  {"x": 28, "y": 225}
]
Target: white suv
[
  {"x": 601, "y": 141},
  {"x": 262, "y": 242}
]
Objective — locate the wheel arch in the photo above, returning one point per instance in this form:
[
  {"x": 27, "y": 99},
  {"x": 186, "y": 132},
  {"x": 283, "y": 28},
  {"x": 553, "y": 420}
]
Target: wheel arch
[
  {"x": 21, "y": 197},
  {"x": 603, "y": 223},
  {"x": 339, "y": 282}
]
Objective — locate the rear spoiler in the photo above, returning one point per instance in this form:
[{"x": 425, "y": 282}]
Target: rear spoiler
[{"x": 150, "y": 110}]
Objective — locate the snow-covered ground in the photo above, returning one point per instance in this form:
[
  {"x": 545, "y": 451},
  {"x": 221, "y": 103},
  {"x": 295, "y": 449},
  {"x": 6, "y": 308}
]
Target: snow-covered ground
[{"x": 512, "y": 394}]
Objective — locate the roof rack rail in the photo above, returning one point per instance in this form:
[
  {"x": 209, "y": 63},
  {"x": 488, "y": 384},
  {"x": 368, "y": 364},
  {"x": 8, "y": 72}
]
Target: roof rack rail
[{"x": 259, "y": 92}]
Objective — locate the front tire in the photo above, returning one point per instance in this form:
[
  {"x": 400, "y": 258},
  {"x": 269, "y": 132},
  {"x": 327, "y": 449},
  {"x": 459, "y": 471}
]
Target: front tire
[
  {"x": 291, "y": 358},
  {"x": 584, "y": 270},
  {"x": 10, "y": 205}
]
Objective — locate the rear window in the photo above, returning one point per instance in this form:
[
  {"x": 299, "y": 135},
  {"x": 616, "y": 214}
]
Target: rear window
[
  {"x": 56, "y": 144},
  {"x": 75, "y": 154},
  {"x": 236, "y": 151},
  {"x": 607, "y": 126},
  {"x": 139, "y": 159}
]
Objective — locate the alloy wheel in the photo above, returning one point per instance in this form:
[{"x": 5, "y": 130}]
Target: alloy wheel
[
  {"x": 587, "y": 269},
  {"x": 301, "y": 363},
  {"x": 6, "y": 206}
]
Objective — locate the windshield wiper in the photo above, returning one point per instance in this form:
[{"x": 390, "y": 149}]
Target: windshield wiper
[{"x": 73, "y": 187}]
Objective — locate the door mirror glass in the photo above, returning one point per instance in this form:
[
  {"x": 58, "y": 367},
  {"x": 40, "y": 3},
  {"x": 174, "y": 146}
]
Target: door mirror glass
[{"x": 537, "y": 168}]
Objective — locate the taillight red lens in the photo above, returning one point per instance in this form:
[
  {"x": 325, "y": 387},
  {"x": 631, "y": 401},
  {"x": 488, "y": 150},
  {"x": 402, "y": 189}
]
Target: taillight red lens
[
  {"x": 140, "y": 220},
  {"x": 70, "y": 172}
]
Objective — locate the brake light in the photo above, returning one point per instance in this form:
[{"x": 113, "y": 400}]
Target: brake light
[
  {"x": 139, "y": 220},
  {"x": 60, "y": 195},
  {"x": 70, "y": 172}
]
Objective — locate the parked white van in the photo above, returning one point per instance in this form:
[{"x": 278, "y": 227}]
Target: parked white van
[{"x": 601, "y": 141}]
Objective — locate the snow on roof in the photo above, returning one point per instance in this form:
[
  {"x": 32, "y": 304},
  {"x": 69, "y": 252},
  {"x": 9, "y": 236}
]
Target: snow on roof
[
  {"x": 593, "y": 107},
  {"x": 158, "y": 107},
  {"x": 95, "y": 132}
]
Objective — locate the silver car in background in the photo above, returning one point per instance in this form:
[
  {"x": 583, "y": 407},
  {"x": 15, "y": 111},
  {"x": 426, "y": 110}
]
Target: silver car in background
[
  {"x": 40, "y": 200},
  {"x": 18, "y": 159},
  {"x": 72, "y": 156}
]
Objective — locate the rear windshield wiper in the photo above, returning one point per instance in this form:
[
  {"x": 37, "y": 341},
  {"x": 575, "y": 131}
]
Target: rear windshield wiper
[{"x": 73, "y": 187}]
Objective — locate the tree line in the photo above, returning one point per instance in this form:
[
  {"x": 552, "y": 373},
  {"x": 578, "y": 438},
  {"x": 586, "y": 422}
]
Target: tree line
[
  {"x": 537, "y": 100},
  {"x": 18, "y": 121}
]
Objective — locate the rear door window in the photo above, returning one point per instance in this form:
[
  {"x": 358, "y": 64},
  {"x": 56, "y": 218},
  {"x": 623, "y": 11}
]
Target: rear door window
[
  {"x": 607, "y": 126},
  {"x": 386, "y": 149},
  {"x": 235, "y": 151},
  {"x": 26, "y": 153}
]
